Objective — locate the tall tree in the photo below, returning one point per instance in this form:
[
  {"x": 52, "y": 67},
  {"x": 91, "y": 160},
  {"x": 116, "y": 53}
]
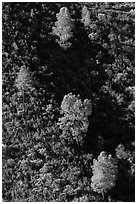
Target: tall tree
[{"x": 63, "y": 27}]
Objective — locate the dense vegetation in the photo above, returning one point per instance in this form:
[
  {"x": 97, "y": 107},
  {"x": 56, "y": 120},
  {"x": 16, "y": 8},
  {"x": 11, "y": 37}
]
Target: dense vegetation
[{"x": 68, "y": 102}]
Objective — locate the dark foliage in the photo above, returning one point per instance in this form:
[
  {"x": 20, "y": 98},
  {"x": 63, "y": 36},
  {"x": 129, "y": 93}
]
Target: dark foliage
[{"x": 48, "y": 151}]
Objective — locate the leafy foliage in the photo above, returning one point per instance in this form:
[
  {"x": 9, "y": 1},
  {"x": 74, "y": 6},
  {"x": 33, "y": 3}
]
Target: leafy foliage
[
  {"x": 23, "y": 81},
  {"x": 85, "y": 16},
  {"x": 128, "y": 156},
  {"x": 63, "y": 27},
  {"x": 104, "y": 173},
  {"x": 51, "y": 138},
  {"x": 74, "y": 123}
]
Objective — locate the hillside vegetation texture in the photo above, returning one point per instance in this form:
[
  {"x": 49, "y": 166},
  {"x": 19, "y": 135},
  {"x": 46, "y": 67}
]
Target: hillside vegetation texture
[{"x": 68, "y": 102}]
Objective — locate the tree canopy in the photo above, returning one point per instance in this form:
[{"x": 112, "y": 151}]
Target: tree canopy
[{"x": 68, "y": 94}]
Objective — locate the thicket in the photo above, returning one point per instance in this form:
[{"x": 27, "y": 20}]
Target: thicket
[{"x": 68, "y": 102}]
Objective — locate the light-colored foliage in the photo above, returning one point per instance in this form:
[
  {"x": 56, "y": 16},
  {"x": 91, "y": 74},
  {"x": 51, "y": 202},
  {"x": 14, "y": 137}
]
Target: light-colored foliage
[
  {"x": 104, "y": 173},
  {"x": 74, "y": 123},
  {"x": 63, "y": 26},
  {"x": 23, "y": 81},
  {"x": 85, "y": 16}
]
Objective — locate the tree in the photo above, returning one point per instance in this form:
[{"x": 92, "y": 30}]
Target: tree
[
  {"x": 104, "y": 173},
  {"x": 74, "y": 123},
  {"x": 23, "y": 80},
  {"x": 63, "y": 27},
  {"x": 127, "y": 155},
  {"x": 85, "y": 16}
]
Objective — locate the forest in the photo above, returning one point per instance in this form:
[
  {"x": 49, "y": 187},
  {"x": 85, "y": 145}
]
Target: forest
[{"x": 68, "y": 101}]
